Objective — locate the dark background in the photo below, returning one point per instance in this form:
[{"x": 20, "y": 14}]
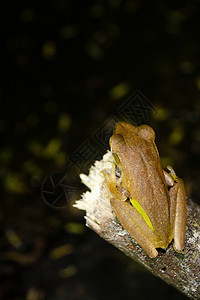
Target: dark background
[{"x": 67, "y": 67}]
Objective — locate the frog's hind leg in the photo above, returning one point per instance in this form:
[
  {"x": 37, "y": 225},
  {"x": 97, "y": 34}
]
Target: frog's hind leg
[
  {"x": 178, "y": 214},
  {"x": 177, "y": 206},
  {"x": 135, "y": 225}
]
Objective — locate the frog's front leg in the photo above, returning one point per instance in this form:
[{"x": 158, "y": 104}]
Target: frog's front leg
[
  {"x": 112, "y": 184},
  {"x": 177, "y": 207}
]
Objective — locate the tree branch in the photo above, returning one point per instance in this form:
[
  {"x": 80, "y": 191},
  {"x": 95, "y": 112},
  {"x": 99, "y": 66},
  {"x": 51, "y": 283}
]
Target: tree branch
[{"x": 180, "y": 270}]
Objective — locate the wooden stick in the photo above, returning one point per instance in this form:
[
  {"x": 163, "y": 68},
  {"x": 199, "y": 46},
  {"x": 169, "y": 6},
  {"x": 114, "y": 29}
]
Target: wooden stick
[{"x": 180, "y": 270}]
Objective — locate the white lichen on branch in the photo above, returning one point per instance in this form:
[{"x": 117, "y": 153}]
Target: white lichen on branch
[{"x": 96, "y": 202}]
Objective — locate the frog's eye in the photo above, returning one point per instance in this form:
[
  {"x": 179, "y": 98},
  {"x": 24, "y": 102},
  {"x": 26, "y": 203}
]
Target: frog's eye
[
  {"x": 118, "y": 171},
  {"x": 146, "y": 132}
]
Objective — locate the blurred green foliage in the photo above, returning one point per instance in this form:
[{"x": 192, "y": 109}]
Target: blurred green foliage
[{"x": 69, "y": 65}]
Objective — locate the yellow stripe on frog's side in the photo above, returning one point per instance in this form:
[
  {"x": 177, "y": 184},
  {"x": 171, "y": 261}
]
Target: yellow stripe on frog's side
[{"x": 142, "y": 212}]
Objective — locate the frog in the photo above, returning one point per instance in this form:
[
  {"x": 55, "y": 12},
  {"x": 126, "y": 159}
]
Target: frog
[{"x": 149, "y": 202}]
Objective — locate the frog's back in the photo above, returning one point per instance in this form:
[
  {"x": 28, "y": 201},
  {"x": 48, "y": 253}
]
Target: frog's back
[{"x": 144, "y": 176}]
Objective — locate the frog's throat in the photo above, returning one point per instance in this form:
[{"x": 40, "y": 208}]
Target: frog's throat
[{"x": 142, "y": 212}]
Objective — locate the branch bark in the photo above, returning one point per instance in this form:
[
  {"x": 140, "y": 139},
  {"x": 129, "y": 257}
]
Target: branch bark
[{"x": 180, "y": 270}]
